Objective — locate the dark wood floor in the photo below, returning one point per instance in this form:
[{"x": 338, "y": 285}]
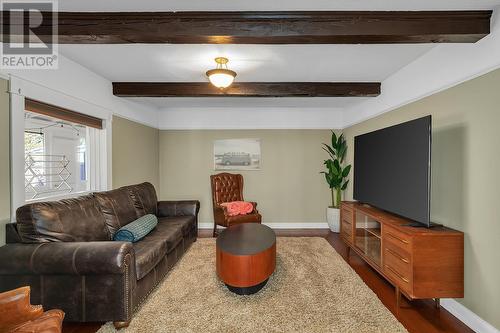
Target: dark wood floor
[{"x": 416, "y": 316}]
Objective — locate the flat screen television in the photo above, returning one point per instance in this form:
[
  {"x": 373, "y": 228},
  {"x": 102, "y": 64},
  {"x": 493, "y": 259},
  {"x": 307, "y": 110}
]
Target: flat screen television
[{"x": 392, "y": 169}]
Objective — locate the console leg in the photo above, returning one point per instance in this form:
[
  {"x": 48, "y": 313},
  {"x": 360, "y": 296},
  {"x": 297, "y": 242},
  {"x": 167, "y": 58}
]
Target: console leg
[
  {"x": 121, "y": 324},
  {"x": 437, "y": 302},
  {"x": 398, "y": 297},
  {"x": 215, "y": 229}
]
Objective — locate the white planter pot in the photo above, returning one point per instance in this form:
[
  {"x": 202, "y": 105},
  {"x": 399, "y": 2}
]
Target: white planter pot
[{"x": 333, "y": 219}]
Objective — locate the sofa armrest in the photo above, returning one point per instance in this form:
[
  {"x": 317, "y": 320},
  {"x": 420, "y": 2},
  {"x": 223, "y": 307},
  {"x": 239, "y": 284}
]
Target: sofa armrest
[
  {"x": 67, "y": 258},
  {"x": 11, "y": 234},
  {"x": 178, "y": 208}
]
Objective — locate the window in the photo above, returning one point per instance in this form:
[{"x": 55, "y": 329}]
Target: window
[
  {"x": 61, "y": 152},
  {"x": 33, "y": 146},
  {"x": 55, "y": 156}
]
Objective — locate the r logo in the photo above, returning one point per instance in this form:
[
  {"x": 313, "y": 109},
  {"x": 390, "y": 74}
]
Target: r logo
[{"x": 29, "y": 34}]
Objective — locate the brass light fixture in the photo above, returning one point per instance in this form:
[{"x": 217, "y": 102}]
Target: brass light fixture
[{"x": 221, "y": 76}]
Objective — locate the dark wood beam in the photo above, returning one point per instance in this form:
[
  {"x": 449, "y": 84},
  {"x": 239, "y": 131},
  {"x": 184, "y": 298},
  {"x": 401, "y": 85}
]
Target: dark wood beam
[
  {"x": 288, "y": 27},
  {"x": 247, "y": 89}
]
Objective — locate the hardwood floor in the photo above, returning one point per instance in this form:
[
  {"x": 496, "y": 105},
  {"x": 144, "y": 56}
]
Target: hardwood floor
[{"x": 416, "y": 316}]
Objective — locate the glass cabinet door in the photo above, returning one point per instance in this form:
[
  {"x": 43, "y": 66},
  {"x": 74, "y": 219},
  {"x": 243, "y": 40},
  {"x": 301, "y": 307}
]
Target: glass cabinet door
[{"x": 367, "y": 238}]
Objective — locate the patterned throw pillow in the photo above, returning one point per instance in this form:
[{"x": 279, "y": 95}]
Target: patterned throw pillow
[{"x": 135, "y": 231}]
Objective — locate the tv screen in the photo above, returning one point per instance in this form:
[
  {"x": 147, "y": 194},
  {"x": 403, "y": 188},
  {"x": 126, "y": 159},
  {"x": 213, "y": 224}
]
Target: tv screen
[{"x": 392, "y": 169}]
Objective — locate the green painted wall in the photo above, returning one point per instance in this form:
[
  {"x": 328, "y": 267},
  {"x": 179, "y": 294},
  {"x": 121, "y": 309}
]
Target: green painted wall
[
  {"x": 465, "y": 177},
  {"x": 135, "y": 153},
  {"x": 288, "y": 188}
]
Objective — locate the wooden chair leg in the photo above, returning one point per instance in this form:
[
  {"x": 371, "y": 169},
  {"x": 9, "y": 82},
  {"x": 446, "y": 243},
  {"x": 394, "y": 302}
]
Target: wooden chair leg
[{"x": 215, "y": 230}]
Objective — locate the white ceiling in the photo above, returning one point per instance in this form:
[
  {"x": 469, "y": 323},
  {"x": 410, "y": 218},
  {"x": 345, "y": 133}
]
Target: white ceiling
[
  {"x": 257, "y": 5},
  {"x": 166, "y": 62},
  {"x": 273, "y": 63}
]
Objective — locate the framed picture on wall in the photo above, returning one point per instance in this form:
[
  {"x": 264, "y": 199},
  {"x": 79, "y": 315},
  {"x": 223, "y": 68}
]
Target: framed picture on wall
[{"x": 237, "y": 154}]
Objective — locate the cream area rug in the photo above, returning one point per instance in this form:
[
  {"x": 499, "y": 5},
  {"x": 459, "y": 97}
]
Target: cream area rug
[{"x": 312, "y": 290}]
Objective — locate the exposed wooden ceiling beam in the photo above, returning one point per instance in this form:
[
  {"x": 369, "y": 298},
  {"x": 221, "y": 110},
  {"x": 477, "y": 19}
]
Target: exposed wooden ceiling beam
[
  {"x": 247, "y": 89},
  {"x": 287, "y": 27}
]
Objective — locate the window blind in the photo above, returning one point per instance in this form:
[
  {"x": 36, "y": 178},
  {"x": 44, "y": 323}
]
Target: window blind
[{"x": 62, "y": 113}]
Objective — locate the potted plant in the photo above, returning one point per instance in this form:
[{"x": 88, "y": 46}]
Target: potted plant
[{"x": 336, "y": 177}]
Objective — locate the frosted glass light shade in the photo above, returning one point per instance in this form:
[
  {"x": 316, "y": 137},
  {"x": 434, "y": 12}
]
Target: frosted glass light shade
[{"x": 221, "y": 78}]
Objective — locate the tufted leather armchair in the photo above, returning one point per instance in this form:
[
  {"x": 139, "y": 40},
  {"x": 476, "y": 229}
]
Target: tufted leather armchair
[{"x": 227, "y": 187}]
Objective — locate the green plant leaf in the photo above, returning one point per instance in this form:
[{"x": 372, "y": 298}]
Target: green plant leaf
[
  {"x": 346, "y": 171},
  {"x": 336, "y": 182},
  {"x": 336, "y": 165},
  {"x": 342, "y": 152},
  {"x": 334, "y": 139},
  {"x": 340, "y": 142},
  {"x": 328, "y": 179},
  {"x": 345, "y": 185},
  {"x": 329, "y": 150}
]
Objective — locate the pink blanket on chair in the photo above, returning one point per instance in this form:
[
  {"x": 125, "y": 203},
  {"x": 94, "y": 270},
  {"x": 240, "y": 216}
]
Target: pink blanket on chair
[{"x": 238, "y": 207}]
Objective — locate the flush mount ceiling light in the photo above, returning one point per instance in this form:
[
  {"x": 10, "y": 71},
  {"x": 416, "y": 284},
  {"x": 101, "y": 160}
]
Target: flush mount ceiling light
[{"x": 221, "y": 76}]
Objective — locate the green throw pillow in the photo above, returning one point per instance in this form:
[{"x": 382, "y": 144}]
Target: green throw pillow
[{"x": 135, "y": 231}]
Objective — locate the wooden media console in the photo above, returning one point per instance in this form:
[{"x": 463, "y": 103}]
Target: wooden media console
[{"x": 422, "y": 263}]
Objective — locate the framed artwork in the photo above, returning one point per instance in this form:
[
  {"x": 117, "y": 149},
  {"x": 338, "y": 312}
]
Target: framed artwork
[{"x": 237, "y": 154}]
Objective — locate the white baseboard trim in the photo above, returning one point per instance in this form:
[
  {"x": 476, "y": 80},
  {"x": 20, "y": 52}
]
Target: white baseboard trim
[
  {"x": 287, "y": 225},
  {"x": 469, "y": 318}
]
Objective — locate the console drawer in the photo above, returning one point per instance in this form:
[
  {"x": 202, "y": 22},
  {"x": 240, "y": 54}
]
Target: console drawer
[
  {"x": 399, "y": 261},
  {"x": 404, "y": 282},
  {"x": 397, "y": 238}
]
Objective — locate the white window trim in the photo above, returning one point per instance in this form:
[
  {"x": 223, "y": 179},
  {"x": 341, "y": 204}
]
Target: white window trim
[
  {"x": 59, "y": 197},
  {"x": 101, "y": 182}
]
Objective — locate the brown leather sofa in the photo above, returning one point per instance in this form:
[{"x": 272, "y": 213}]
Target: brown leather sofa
[{"x": 64, "y": 252}]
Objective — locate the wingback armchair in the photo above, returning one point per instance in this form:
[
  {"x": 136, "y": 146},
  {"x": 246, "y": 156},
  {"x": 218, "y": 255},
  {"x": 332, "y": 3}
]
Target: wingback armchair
[{"x": 227, "y": 187}]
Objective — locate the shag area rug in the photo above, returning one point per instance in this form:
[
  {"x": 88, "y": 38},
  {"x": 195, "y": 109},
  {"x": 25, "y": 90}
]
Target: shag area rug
[{"x": 312, "y": 290}]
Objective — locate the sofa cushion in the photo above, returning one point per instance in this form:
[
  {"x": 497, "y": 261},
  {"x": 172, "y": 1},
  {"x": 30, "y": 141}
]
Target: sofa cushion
[
  {"x": 70, "y": 220},
  {"x": 148, "y": 254},
  {"x": 144, "y": 198},
  {"x": 185, "y": 223},
  {"x": 117, "y": 207},
  {"x": 152, "y": 248}
]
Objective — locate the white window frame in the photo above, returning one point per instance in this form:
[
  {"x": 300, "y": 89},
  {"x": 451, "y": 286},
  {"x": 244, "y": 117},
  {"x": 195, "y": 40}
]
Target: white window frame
[{"x": 99, "y": 147}]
